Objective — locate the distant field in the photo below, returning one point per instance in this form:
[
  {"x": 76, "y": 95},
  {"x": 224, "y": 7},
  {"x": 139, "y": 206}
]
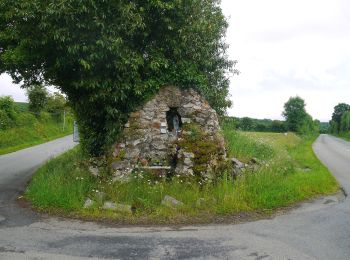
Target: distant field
[
  {"x": 289, "y": 172},
  {"x": 22, "y": 106}
]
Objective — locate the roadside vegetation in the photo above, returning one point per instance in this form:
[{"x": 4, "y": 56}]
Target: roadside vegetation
[
  {"x": 23, "y": 125},
  {"x": 287, "y": 172},
  {"x": 340, "y": 123},
  {"x": 344, "y": 135}
]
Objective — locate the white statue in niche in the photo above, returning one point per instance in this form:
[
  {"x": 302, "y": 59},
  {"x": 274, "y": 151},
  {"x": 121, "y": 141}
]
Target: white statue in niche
[{"x": 176, "y": 123}]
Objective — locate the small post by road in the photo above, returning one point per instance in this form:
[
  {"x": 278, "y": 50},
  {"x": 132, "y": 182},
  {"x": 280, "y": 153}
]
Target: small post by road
[
  {"x": 75, "y": 132},
  {"x": 64, "y": 119}
]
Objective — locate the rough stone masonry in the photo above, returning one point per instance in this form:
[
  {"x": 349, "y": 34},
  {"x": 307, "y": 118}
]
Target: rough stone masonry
[{"x": 150, "y": 135}]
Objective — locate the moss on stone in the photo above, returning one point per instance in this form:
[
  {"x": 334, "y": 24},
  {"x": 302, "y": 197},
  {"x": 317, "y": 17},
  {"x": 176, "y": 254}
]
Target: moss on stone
[
  {"x": 120, "y": 156},
  {"x": 205, "y": 148}
]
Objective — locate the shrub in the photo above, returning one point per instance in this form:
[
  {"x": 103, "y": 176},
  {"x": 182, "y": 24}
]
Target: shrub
[
  {"x": 5, "y": 121},
  {"x": 339, "y": 111},
  {"x": 45, "y": 117},
  {"x": 37, "y": 96},
  {"x": 24, "y": 119},
  {"x": 56, "y": 105},
  {"x": 7, "y": 104},
  {"x": 345, "y": 122}
]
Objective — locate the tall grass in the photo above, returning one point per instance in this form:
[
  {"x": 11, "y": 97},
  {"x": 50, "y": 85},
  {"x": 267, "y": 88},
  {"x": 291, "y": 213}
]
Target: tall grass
[
  {"x": 289, "y": 172},
  {"x": 61, "y": 184},
  {"x": 242, "y": 146}
]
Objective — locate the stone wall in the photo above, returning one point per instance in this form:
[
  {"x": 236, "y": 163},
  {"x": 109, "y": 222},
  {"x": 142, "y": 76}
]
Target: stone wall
[{"x": 149, "y": 137}]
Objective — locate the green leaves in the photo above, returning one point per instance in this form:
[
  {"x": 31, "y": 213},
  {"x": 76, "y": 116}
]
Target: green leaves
[
  {"x": 339, "y": 122},
  {"x": 38, "y": 97},
  {"x": 108, "y": 57},
  {"x": 85, "y": 64},
  {"x": 297, "y": 119}
]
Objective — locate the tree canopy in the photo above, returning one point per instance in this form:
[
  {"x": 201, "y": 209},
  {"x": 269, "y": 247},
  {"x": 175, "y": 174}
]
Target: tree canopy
[
  {"x": 338, "y": 123},
  {"x": 345, "y": 122},
  {"x": 7, "y": 112},
  {"x": 110, "y": 56},
  {"x": 294, "y": 113},
  {"x": 297, "y": 119},
  {"x": 37, "y": 96}
]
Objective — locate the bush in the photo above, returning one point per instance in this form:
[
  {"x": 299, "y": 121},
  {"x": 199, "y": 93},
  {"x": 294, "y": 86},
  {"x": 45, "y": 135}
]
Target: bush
[
  {"x": 24, "y": 119},
  {"x": 345, "y": 122},
  {"x": 7, "y": 104},
  {"x": 278, "y": 126},
  {"x": 45, "y": 117},
  {"x": 5, "y": 121},
  {"x": 37, "y": 96},
  {"x": 56, "y": 105}
]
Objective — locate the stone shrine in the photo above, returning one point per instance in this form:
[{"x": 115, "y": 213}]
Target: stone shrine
[{"x": 154, "y": 138}]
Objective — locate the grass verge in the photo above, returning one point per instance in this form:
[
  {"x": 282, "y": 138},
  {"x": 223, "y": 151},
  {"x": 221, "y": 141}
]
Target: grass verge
[
  {"x": 289, "y": 172},
  {"x": 345, "y": 136},
  {"x": 21, "y": 137}
]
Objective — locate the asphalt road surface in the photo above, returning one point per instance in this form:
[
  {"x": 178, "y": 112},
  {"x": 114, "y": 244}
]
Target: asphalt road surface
[{"x": 316, "y": 230}]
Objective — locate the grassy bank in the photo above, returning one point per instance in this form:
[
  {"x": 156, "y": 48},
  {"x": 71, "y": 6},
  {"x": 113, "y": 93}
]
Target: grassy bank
[
  {"x": 26, "y": 129},
  {"x": 288, "y": 173},
  {"x": 345, "y": 136},
  {"x": 21, "y": 137}
]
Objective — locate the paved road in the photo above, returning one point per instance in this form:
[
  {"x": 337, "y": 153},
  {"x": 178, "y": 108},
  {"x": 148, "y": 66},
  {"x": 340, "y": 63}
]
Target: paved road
[
  {"x": 318, "y": 230},
  {"x": 16, "y": 170}
]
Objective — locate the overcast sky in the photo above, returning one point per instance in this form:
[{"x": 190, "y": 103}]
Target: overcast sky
[
  {"x": 287, "y": 48},
  {"x": 284, "y": 48}
]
